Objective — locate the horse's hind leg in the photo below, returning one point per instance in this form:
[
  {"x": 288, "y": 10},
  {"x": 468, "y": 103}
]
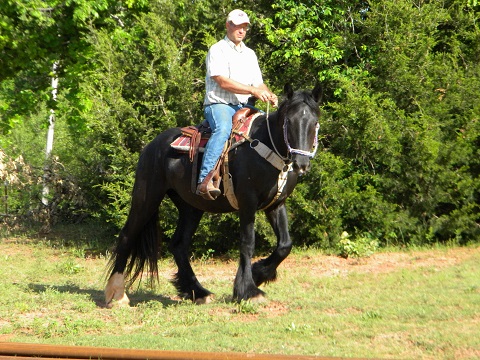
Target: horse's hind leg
[
  {"x": 115, "y": 288},
  {"x": 185, "y": 280},
  {"x": 137, "y": 243},
  {"x": 128, "y": 240},
  {"x": 265, "y": 270}
]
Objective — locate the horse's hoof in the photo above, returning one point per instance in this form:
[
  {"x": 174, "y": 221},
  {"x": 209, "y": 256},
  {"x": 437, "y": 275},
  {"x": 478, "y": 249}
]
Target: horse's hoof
[
  {"x": 115, "y": 291},
  {"x": 123, "y": 301},
  {"x": 204, "y": 300}
]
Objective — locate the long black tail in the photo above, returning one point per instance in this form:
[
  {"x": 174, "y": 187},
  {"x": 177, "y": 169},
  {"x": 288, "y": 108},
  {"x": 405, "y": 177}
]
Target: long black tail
[{"x": 141, "y": 253}]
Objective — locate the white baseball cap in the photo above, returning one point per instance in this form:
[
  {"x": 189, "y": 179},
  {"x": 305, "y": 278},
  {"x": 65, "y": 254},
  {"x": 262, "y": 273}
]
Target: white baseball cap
[{"x": 238, "y": 17}]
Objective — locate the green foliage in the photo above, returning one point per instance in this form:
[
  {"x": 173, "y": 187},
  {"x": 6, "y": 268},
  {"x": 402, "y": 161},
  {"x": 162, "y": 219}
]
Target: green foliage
[
  {"x": 360, "y": 247},
  {"x": 142, "y": 84},
  {"x": 395, "y": 131},
  {"x": 247, "y": 307},
  {"x": 118, "y": 192},
  {"x": 69, "y": 267},
  {"x": 34, "y": 35}
]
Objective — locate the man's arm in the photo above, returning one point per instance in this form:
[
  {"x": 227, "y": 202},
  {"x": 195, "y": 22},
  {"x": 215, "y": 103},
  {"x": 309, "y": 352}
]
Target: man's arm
[{"x": 261, "y": 92}]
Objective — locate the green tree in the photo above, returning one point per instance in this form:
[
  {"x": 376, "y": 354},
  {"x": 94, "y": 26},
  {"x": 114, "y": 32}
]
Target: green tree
[
  {"x": 403, "y": 124},
  {"x": 399, "y": 127},
  {"x": 34, "y": 35}
]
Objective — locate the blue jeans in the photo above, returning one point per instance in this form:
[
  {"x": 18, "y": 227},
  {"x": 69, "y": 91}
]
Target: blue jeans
[{"x": 219, "y": 117}]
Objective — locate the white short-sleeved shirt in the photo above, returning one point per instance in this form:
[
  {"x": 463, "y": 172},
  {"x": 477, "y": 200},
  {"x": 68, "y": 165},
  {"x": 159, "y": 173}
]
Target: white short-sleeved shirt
[{"x": 238, "y": 63}]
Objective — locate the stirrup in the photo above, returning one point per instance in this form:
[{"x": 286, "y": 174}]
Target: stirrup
[
  {"x": 208, "y": 195},
  {"x": 205, "y": 195}
]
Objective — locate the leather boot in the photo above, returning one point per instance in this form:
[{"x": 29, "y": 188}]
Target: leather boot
[{"x": 207, "y": 190}]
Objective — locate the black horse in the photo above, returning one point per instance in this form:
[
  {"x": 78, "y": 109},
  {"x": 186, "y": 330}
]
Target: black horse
[{"x": 291, "y": 132}]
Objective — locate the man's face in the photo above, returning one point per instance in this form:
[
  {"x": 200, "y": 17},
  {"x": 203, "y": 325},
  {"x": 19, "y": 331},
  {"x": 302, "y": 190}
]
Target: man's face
[{"x": 236, "y": 33}]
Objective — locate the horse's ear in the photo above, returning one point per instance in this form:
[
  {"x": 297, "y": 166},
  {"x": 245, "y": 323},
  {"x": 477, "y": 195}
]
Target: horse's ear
[
  {"x": 317, "y": 92},
  {"x": 288, "y": 90}
]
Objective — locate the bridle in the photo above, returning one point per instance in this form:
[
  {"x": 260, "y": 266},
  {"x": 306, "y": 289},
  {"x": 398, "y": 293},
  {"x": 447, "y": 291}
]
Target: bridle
[
  {"x": 291, "y": 151},
  {"x": 281, "y": 163}
]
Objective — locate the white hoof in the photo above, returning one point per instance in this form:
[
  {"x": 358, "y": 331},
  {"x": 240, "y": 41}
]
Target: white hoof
[{"x": 115, "y": 291}]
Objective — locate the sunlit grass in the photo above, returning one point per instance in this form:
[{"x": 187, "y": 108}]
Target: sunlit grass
[{"x": 55, "y": 295}]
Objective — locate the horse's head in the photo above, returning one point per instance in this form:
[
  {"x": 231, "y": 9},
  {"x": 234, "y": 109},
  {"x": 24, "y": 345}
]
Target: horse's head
[{"x": 300, "y": 113}]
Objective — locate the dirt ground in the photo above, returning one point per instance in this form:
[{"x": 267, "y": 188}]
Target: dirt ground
[
  {"x": 322, "y": 265},
  {"x": 329, "y": 265},
  {"x": 384, "y": 262},
  {"x": 318, "y": 264}
]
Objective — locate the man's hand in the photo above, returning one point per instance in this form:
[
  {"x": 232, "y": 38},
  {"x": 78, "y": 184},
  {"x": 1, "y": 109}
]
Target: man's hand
[
  {"x": 274, "y": 100},
  {"x": 261, "y": 92},
  {"x": 265, "y": 95}
]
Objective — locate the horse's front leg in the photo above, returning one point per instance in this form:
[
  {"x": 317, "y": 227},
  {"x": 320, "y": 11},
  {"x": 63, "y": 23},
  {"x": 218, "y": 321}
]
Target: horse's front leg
[
  {"x": 244, "y": 286},
  {"x": 185, "y": 280},
  {"x": 265, "y": 270}
]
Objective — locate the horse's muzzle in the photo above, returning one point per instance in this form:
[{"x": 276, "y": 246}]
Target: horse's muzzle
[{"x": 301, "y": 164}]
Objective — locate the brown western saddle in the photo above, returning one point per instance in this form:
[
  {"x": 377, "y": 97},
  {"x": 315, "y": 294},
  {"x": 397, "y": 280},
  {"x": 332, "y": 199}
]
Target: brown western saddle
[{"x": 194, "y": 139}]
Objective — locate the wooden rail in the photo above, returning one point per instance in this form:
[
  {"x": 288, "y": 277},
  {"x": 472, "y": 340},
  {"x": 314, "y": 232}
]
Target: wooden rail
[{"x": 21, "y": 351}]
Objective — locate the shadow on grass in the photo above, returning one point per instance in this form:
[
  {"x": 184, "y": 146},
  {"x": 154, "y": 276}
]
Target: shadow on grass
[
  {"x": 97, "y": 296},
  {"x": 95, "y": 237}
]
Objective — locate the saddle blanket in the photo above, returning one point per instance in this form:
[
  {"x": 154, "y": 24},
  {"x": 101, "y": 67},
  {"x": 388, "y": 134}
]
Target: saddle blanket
[{"x": 183, "y": 142}]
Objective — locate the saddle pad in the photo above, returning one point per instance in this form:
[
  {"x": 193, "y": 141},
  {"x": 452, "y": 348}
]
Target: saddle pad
[{"x": 182, "y": 143}]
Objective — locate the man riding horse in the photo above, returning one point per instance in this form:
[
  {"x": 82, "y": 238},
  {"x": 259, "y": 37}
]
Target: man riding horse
[
  {"x": 264, "y": 170},
  {"x": 233, "y": 75}
]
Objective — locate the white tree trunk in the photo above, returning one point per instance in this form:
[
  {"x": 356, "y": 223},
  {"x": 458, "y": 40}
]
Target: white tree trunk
[{"x": 51, "y": 128}]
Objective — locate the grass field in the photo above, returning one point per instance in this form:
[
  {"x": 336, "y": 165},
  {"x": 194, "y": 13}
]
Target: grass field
[{"x": 415, "y": 304}]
